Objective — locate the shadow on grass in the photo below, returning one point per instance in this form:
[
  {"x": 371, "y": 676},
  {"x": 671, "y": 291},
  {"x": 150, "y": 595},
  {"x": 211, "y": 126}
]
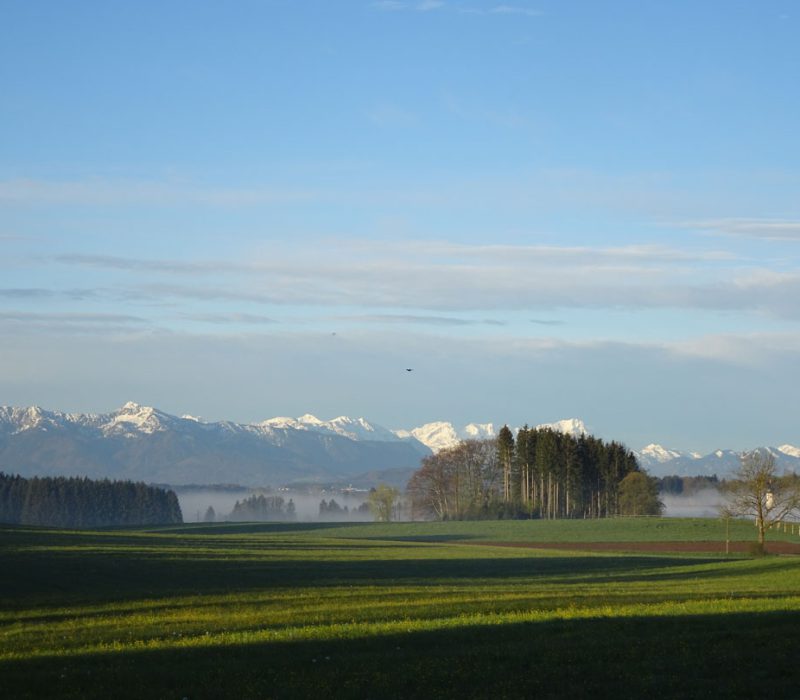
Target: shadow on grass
[
  {"x": 229, "y": 528},
  {"x": 53, "y": 569},
  {"x": 443, "y": 539},
  {"x": 731, "y": 656},
  {"x": 60, "y": 577}
]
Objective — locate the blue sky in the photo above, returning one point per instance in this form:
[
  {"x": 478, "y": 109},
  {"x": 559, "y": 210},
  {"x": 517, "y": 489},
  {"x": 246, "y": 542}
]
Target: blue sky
[{"x": 548, "y": 209}]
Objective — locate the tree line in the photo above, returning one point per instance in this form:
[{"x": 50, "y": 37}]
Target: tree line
[
  {"x": 539, "y": 474},
  {"x": 676, "y": 485},
  {"x": 263, "y": 508},
  {"x": 81, "y": 502}
]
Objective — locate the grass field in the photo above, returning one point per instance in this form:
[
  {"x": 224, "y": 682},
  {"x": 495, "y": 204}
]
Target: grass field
[{"x": 401, "y": 610}]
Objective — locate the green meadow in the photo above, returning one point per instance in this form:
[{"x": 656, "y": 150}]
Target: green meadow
[{"x": 404, "y": 610}]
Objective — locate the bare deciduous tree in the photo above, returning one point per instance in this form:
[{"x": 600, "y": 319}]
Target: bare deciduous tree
[{"x": 759, "y": 492}]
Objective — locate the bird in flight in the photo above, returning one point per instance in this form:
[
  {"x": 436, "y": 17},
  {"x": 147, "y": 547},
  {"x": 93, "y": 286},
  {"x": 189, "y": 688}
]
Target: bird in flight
[{"x": 409, "y": 369}]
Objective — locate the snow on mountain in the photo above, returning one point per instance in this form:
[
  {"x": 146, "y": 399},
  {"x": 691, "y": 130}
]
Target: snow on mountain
[
  {"x": 133, "y": 422},
  {"x": 569, "y": 426},
  {"x": 311, "y": 421},
  {"x": 441, "y": 435},
  {"x": 16, "y": 420},
  {"x": 353, "y": 428},
  {"x": 144, "y": 443},
  {"x": 659, "y": 461},
  {"x": 133, "y": 419},
  {"x": 360, "y": 429},
  {"x": 436, "y": 436},
  {"x": 20, "y": 419},
  {"x": 478, "y": 431},
  {"x": 659, "y": 454},
  {"x": 662, "y": 461},
  {"x": 130, "y": 419},
  {"x": 790, "y": 450},
  {"x": 281, "y": 423}
]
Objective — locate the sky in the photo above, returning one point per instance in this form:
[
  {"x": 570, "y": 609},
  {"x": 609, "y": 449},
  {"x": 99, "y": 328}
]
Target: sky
[{"x": 546, "y": 209}]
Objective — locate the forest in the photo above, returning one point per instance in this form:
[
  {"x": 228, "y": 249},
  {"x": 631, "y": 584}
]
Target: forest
[
  {"x": 81, "y": 502},
  {"x": 539, "y": 474}
]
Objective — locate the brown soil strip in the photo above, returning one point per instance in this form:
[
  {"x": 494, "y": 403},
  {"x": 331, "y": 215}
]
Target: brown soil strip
[{"x": 655, "y": 547}]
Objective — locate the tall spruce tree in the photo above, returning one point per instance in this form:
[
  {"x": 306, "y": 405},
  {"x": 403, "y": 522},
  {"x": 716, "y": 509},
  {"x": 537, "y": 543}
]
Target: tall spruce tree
[{"x": 505, "y": 456}]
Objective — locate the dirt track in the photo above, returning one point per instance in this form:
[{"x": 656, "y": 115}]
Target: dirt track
[{"x": 655, "y": 547}]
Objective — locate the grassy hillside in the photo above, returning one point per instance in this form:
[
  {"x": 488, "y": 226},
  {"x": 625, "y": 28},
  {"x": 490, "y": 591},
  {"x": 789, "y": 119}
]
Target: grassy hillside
[{"x": 400, "y": 610}]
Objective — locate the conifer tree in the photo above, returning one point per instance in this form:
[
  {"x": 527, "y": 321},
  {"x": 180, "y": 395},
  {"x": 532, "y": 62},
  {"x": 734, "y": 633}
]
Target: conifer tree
[{"x": 505, "y": 455}]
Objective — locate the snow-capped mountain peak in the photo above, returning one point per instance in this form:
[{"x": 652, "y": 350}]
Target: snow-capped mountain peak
[
  {"x": 143, "y": 427},
  {"x": 659, "y": 454},
  {"x": 133, "y": 418},
  {"x": 309, "y": 419},
  {"x": 569, "y": 426},
  {"x": 660, "y": 461},
  {"x": 282, "y": 422},
  {"x": 441, "y": 435},
  {"x": 145, "y": 443},
  {"x": 790, "y": 450},
  {"x": 19, "y": 420},
  {"x": 361, "y": 429},
  {"x": 32, "y": 417},
  {"x": 353, "y": 428},
  {"x": 479, "y": 431},
  {"x": 437, "y": 436}
]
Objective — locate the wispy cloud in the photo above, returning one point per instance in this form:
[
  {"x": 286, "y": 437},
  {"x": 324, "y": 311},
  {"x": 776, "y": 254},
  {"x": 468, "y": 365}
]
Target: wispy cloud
[
  {"x": 33, "y": 293},
  {"x": 398, "y": 5},
  {"x": 230, "y": 319},
  {"x": 647, "y": 195},
  {"x": 184, "y": 267},
  {"x": 410, "y": 252},
  {"x": 25, "y": 316},
  {"x": 503, "y": 10},
  {"x": 514, "y": 10},
  {"x": 27, "y": 294},
  {"x": 755, "y": 349},
  {"x": 13, "y": 322},
  {"x": 420, "y": 320},
  {"x": 429, "y": 5},
  {"x": 165, "y": 193},
  {"x": 643, "y": 253},
  {"x": 439, "y": 276},
  {"x": 389, "y": 5},
  {"x": 768, "y": 229}
]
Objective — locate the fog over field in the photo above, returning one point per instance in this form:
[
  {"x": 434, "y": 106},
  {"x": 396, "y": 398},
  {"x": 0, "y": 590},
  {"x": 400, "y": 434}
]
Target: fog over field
[
  {"x": 194, "y": 503},
  {"x": 704, "y": 503}
]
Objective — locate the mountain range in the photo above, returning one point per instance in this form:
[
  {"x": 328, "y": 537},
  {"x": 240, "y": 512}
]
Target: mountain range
[
  {"x": 661, "y": 461},
  {"x": 143, "y": 443}
]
